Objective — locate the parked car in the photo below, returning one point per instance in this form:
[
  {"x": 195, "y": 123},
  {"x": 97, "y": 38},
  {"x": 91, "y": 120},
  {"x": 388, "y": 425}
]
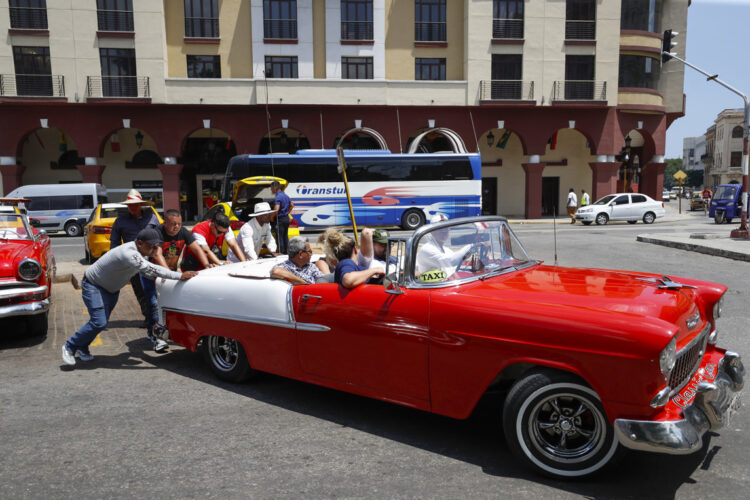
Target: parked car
[
  {"x": 61, "y": 207},
  {"x": 726, "y": 203},
  {"x": 246, "y": 193},
  {"x": 631, "y": 207},
  {"x": 98, "y": 228},
  {"x": 665, "y": 196},
  {"x": 590, "y": 360},
  {"x": 696, "y": 201},
  {"x": 27, "y": 268}
]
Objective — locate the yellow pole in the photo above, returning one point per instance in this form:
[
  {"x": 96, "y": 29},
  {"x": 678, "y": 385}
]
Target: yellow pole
[{"x": 342, "y": 170}]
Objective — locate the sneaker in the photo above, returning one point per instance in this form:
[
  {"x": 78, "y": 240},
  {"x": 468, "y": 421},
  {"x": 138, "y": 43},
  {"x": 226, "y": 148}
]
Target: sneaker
[
  {"x": 68, "y": 356},
  {"x": 159, "y": 344},
  {"x": 84, "y": 355}
]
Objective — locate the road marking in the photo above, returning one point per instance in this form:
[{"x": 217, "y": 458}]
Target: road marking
[{"x": 97, "y": 340}]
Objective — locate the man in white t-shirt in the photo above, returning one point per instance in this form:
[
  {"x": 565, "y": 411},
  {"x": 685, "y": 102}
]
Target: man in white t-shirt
[
  {"x": 254, "y": 232},
  {"x": 435, "y": 256},
  {"x": 572, "y": 205}
]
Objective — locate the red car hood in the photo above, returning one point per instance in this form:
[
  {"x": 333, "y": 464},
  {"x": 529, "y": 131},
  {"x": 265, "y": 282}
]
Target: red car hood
[{"x": 9, "y": 253}]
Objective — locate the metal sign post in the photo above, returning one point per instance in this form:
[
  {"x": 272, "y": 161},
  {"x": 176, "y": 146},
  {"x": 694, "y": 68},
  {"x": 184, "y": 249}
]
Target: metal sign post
[{"x": 342, "y": 171}]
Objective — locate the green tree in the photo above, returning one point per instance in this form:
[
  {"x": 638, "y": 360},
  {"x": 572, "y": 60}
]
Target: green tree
[
  {"x": 694, "y": 178},
  {"x": 673, "y": 165}
]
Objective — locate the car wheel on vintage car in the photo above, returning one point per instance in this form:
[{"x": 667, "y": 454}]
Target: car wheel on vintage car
[
  {"x": 649, "y": 218},
  {"x": 557, "y": 425},
  {"x": 73, "y": 229},
  {"x": 602, "y": 219},
  {"x": 37, "y": 324},
  {"x": 227, "y": 359}
]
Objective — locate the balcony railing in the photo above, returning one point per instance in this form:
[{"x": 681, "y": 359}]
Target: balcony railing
[
  {"x": 28, "y": 18},
  {"x": 430, "y": 32},
  {"x": 201, "y": 27},
  {"x": 117, "y": 86},
  {"x": 580, "y": 30},
  {"x": 579, "y": 90},
  {"x": 507, "y": 28},
  {"x": 502, "y": 90},
  {"x": 32, "y": 85},
  {"x": 115, "y": 20},
  {"x": 356, "y": 30},
  {"x": 280, "y": 28}
]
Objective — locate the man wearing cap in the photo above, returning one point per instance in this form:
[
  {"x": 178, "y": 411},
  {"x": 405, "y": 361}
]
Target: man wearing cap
[
  {"x": 125, "y": 229},
  {"x": 373, "y": 248},
  {"x": 210, "y": 236},
  {"x": 254, "y": 232},
  {"x": 101, "y": 286}
]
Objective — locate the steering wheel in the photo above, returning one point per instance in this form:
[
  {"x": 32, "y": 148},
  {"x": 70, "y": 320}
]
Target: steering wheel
[{"x": 480, "y": 251}]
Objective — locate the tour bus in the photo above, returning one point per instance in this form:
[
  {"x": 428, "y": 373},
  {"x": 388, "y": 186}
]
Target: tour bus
[
  {"x": 61, "y": 207},
  {"x": 386, "y": 189}
]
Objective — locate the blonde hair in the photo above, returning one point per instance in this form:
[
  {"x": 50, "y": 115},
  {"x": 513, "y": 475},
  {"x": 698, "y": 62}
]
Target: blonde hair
[{"x": 336, "y": 245}]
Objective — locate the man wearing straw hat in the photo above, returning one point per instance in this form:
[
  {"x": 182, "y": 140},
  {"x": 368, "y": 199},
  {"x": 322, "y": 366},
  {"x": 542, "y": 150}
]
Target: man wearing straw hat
[
  {"x": 254, "y": 232},
  {"x": 126, "y": 229}
]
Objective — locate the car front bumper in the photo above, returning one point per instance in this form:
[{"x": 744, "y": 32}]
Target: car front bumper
[
  {"x": 586, "y": 216},
  {"x": 716, "y": 400}
]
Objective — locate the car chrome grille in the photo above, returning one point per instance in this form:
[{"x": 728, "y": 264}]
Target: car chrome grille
[{"x": 688, "y": 359}]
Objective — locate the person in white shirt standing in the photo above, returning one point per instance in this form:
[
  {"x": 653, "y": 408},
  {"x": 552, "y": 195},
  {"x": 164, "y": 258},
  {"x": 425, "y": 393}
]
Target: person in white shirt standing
[
  {"x": 254, "y": 232},
  {"x": 572, "y": 205}
]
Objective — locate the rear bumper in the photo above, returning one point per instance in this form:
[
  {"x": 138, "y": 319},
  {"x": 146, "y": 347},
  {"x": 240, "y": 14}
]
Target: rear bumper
[{"x": 714, "y": 405}]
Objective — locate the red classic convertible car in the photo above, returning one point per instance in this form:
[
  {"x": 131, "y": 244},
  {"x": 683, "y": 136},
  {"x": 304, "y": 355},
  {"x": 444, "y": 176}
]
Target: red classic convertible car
[
  {"x": 27, "y": 268},
  {"x": 592, "y": 360}
]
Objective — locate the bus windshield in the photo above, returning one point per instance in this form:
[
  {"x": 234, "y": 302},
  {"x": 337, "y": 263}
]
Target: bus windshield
[{"x": 386, "y": 189}]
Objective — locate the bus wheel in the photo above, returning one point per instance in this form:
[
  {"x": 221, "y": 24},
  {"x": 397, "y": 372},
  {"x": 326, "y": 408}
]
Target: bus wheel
[
  {"x": 412, "y": 219},
  {"x": 73, "y": 229}
]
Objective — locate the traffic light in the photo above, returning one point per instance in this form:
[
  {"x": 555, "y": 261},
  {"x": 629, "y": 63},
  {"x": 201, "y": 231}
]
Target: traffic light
[{"x": 667, "y": 44}]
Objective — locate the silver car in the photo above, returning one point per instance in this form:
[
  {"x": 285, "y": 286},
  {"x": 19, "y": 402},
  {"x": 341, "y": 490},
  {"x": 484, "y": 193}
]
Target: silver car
[{"x": 630, "y": 207}]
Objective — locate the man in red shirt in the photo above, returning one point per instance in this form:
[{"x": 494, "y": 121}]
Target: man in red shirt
[
  {"x": 210, "y": 236},
  {"x": 706, "y": 199}
]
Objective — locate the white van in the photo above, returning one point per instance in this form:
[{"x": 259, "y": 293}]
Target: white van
[{"x": 61, "y": 207}]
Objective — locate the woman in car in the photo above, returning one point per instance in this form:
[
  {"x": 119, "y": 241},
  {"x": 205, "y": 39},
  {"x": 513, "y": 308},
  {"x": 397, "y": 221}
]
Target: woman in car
[{"x": 348, "y": 273}]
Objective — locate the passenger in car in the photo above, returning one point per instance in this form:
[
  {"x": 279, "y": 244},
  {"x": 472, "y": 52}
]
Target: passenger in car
[
  {"x": 298, "y": 270},
  {"x": 348, "y": 273}
]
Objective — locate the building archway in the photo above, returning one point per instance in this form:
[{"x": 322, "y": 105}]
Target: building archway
[
  {"x": 567, "y": 159},
  {"x": 502, "y": 153},
  {"x": 435, "y": 140},
  {"x": 360, "y": 138},
  {"x": 49, "y": 156},
  {"x": 636, "y": 150},
  {"x": 283, "y": 140}
]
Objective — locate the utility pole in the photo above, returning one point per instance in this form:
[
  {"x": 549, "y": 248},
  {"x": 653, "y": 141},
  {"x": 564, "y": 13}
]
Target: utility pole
[{"x": 666, "y": 55}]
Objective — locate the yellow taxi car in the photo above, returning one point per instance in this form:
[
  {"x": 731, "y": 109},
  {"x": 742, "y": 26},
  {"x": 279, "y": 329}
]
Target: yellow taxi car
[
  {"x": 98, "y": 228},
  {"x": 247, "y": 192},
  {"x": 696, "y": 201}
]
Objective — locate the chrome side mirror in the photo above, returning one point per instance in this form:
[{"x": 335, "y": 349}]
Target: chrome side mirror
[{"x": 394, "y": 266}]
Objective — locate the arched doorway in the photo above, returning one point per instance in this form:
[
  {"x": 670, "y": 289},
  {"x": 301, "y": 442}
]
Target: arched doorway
[
  {"x": 49, "y": 156},
  {"x": 283, "y": 140},
  {"x": 131, "y": 157},
  {"x": 435, "y": 140},
  {"x": 360, "y": 138},
  {"x": 567, "y": 159},
  {"x": 631, "y": 155}
]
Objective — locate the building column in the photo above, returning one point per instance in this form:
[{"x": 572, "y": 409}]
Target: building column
[
  {"x": 12, "y": 176},
  {"x": 90, "y": 171},
  {"x": 533, "y": 203},
  {"x": 652, "y": 179},
  {"x": 604, "y": 178},
  {"x": 170, "y": 184}
]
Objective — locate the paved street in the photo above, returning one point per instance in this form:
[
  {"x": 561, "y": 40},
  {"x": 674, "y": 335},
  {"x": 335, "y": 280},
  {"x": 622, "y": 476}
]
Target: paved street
[{"x": 139, "y": 424}]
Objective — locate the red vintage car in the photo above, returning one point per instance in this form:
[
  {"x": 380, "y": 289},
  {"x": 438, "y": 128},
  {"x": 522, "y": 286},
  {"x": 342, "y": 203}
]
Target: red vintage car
[
  {"x": 27, "y": 268},
  {"x": 592, "y": 360}
]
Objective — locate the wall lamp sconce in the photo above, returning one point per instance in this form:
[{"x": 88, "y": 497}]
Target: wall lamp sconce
[
  {"x": 640, "y": 124},
  {"x": 284, "y": 123},
  {"x": 170, "y": 160},
  {"x": 44, "y": 122},
  {"x": 126, "y": 123},
  {"x": 139, "y": 139},
  {"x": 357, "y": 123},
  {"x": 490, "y": 139},
  {"x": 206, "y": 123},
  {"x": 431, "y": 123},
  {"x": 501, "y": 124},
  {"x": 571, "y": 124}
]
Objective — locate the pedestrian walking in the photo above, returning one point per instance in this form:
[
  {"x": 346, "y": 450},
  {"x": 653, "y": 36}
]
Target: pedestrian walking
[
  {"x": 101, "y": 284},
  {"x": 572, "y": 205},
  {"x": 585, "y": 199},
  {"x": 283, "y": 208},
  {"x": 125, "y": 229}
]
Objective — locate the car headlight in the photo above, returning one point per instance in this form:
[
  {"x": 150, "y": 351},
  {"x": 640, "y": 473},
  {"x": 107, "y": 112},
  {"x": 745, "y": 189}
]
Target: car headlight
[
  {"x": 29, "y": 269},
  {"x": 668, "y": 357},
  {"x": 718, "y": 307}
]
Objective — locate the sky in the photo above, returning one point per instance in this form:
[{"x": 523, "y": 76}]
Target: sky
[{"x": 717, "y": 42}]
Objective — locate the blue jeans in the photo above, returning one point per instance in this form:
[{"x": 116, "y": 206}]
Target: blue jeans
[
  {"x": 100, "y": 303},
  {"x": 152, "y": 308}
]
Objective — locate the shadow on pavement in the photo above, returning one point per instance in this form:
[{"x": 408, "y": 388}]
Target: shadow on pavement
[{"x": 15, "y": 334}]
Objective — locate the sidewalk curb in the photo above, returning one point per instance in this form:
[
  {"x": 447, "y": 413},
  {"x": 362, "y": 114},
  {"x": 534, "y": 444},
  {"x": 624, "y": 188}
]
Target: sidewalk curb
[{"x": 692, "y": 247}]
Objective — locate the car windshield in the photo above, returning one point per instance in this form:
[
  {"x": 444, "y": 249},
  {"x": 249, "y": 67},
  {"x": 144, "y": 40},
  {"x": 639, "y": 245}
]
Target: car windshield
[
  {"x": 605, "y": 200},
  {"x": 14, "y": 227},
  {"x": 472, "y": 249},
  {"x": 725, "y": 193}
]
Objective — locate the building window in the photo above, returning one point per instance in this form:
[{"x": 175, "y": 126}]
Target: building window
[
  {"x": 28, "y": 14},
  {"x": 201, "y": 19},
  {"x": 579, "y": 77},
  {"x": 356, "y": 68},
  {"x": 281, "y": 67},
  {"x": 280, "y": 19},
  {"x": 506, "y": 76},
  {"x": 430, "y": 22},
  {"x": 203, "y": 67},
  {"x": 642, "y": 15},
  {"x": 430, "y": 68},
  {"x": 118, "y": 73},
  {"x": 580, "y": 19},
  {"x": 356, "y": 20},
  {"x": 507, "y": 19},
  {"x": 33, "y": 73},
  {"x": 115, "y": 15},
  {"x": 639, "y": 72},
  {"x": 736, "y": 159},
  {"x": 737, "y": 132}
]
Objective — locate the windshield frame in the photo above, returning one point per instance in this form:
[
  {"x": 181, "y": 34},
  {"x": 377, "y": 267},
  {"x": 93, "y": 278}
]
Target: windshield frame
[{"x": 30, "y": 236}]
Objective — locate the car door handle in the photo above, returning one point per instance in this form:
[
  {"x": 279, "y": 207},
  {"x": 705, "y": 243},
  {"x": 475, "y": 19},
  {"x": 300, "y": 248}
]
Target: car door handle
[{"x": 306, "y": 296}]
